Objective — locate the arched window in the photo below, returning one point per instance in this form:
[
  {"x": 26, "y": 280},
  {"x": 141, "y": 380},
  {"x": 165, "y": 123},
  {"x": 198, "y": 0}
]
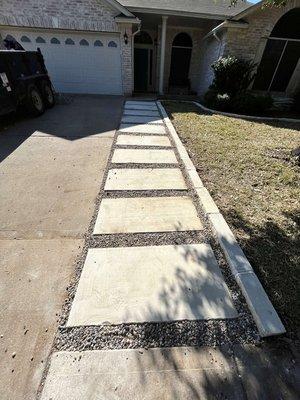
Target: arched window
[
  {"x": 55, "y": 41},
  {"x": 180, "y": 60},
  {"x": 143, "y": 38},
  {"x": 98, "y": 43},
  {"x": 69, "y": 41},
  {"x": 39, "y": 39},
  {"x": 25, "y": 39},
  {"x": 84, "y": 42},
  {"x": 183, "y": 40},
  {"x": 281, "y": 55},
  {"x": 112, "y": 44}
]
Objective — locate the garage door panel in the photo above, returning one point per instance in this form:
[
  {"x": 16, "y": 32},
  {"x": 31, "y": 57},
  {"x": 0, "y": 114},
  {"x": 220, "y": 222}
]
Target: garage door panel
[{"x": 76, "y": 68}]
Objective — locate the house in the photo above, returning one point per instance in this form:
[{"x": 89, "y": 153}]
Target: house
[{"x": 164, "y": 46}]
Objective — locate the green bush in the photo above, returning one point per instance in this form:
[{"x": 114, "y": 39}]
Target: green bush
[
  {"x": 228, "y": 92},
  {"x": 232, "y": 75},
  {"x": 249, "y": 103},
  {"x": 296, "y": 103},
  {"x": 219, "y": 101}
]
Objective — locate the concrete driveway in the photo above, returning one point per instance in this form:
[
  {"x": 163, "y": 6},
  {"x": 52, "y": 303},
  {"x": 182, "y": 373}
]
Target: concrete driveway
[{"x": 50, "y": 173}]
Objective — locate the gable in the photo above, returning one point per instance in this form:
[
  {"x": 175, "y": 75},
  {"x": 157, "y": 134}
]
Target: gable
[{"x": 95, "y": 15}]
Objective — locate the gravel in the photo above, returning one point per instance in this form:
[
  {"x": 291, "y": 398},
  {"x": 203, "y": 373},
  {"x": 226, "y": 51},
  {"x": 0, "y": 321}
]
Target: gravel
[{"x": 164, "y": 334}]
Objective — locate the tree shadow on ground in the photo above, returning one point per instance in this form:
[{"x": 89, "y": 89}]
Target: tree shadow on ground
[
  {"x": 230, "y": 371},
  {"x": 81, "y": 117},
  {"x": 274, "y": 253}
]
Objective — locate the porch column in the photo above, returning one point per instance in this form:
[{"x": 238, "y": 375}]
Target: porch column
[{"x": 162, "y": 54}]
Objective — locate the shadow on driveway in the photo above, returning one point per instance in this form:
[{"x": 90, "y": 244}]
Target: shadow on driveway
[{"x": 74, "y": 117}]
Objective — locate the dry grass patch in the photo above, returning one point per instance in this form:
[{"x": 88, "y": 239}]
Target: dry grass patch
[{"x": 248, "y": 169}]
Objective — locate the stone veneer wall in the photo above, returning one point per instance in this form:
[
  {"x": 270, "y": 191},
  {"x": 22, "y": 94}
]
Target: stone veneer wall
[{"x": 89, "y": 15}]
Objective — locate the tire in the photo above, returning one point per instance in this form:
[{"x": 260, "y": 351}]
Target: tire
[
  {"x": 35, "y": 103},
  {"x": 48, "y": 94}
]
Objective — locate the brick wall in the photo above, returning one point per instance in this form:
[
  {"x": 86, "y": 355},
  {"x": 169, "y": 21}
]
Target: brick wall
[
  {"x": 245, "y": 43},
  {"x": 211, "y": 50},
  {"x": 94, "y": 15}
]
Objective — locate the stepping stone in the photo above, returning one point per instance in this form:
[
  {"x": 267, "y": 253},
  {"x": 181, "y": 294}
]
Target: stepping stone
[
  {"x": 144, "y": 156},
  {"x": 148, "y": 113},
  {"x": 150, "y": 284},
  {"x": 140, "y": 103},
  {"x": 133, "y": 140},
  {"x": 145, "y": 179},
  {"x": 152, "y": 374},
  {"x": 147, "y": 214},
  {"x": 145, "y": 128},
  {"x": 140, "y": 107},
  {"x": 136, "y": 119}
]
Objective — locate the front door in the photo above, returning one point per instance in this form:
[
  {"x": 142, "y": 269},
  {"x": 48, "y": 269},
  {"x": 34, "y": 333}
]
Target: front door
[{"x": 141, "y": 69}]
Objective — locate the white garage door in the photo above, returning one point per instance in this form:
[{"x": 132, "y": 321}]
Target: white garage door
[{"x": 77, "y": 62}]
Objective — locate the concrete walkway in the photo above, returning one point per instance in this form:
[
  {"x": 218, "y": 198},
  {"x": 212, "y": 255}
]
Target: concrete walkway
[
  {"x": 134, "y": 283},
  {"x": 50, "y": 168}
]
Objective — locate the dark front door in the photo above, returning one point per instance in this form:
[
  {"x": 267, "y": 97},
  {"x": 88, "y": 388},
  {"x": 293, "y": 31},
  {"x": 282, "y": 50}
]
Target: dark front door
[
  {"x": 141, "y": 72},
  {"x": 180, "y": 66}
]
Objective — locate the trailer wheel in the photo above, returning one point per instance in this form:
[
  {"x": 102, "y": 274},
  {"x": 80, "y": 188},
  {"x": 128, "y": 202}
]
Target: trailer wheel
[
  {"x": 35, "y": 103},
  {"x": 48, "y": 94}
]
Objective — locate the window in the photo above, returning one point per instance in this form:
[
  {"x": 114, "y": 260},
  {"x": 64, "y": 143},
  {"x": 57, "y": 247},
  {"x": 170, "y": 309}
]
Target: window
[
  {"x": 98, "y": 43},
  {"x": 183, "y": 40},
  {"x": 39, "y": 39},
  {"x": 69, "y": 41},
  {"x": 143, "y": 38},
  {"x": 84, "y": 42},
  {"x": 112, "y": 44},
  {"x": 55, "y": 41},
  {"x": 25, "y": 39}
]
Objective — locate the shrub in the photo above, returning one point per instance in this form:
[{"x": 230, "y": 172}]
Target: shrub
[
  {"x": 219, "y": 101},
  {"x": 249, "y": 103},
  {"x": 296, "y": 102},
  {"x": 232, "y": 75}
]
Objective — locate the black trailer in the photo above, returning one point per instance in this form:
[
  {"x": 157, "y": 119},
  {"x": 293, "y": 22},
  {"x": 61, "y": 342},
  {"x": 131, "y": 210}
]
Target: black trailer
[{"x": 24, "y": 82}]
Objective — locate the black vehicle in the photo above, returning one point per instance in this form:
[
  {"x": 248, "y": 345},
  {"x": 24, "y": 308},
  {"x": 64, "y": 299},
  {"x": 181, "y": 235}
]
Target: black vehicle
[{"x": 24, "y": 82}]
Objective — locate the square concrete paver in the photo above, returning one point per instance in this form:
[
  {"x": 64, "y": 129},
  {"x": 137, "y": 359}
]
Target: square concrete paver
[
  {"x": 141, "y": 119},
  {"x": 145, "y": 128},
  {"x": 144, "y": 156},
  {"x": 145, "y": 179},
  {"x": 143, "y": 140},
  {"x": 148, "y": 113},
  {"x": 153, "y": 283},
  {"x": 155, "y": 374},
  {"x": 147, "y": 214}
]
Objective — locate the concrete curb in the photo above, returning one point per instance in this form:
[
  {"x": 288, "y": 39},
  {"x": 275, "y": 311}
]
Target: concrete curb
[
  {"x": 241, "y": 116},
  {"x": 263, "y": 312}
]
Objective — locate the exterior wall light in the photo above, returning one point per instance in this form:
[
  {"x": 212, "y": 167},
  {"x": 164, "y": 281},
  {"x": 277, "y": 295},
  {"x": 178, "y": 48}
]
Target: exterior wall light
[{"x": 125, "y": 37}]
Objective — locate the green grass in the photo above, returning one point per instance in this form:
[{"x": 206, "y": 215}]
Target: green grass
[{"x": 248, "y": 169}]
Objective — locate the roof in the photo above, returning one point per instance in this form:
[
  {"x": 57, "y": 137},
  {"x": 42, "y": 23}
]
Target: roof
[{"x": 217, "y": 8}]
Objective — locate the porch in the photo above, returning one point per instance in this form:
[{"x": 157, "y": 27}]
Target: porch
[{"x": 167, "y": 53}]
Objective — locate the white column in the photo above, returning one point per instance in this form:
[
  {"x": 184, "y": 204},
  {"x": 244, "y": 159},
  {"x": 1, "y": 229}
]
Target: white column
[{"x": 162, "y": 54}]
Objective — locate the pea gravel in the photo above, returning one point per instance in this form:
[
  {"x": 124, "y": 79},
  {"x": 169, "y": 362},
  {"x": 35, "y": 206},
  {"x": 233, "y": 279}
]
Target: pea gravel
[{"x": 164, "y": 334}]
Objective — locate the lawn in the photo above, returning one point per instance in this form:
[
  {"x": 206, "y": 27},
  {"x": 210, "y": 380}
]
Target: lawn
[{"x": 248, "y": 169}]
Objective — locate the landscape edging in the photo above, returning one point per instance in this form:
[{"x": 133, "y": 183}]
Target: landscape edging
[{"x": 262, "y": 310}]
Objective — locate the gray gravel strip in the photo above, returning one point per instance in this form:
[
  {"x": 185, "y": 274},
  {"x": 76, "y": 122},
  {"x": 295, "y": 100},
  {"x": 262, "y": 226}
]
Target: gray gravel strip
[{"x": 163, "y": 334}]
